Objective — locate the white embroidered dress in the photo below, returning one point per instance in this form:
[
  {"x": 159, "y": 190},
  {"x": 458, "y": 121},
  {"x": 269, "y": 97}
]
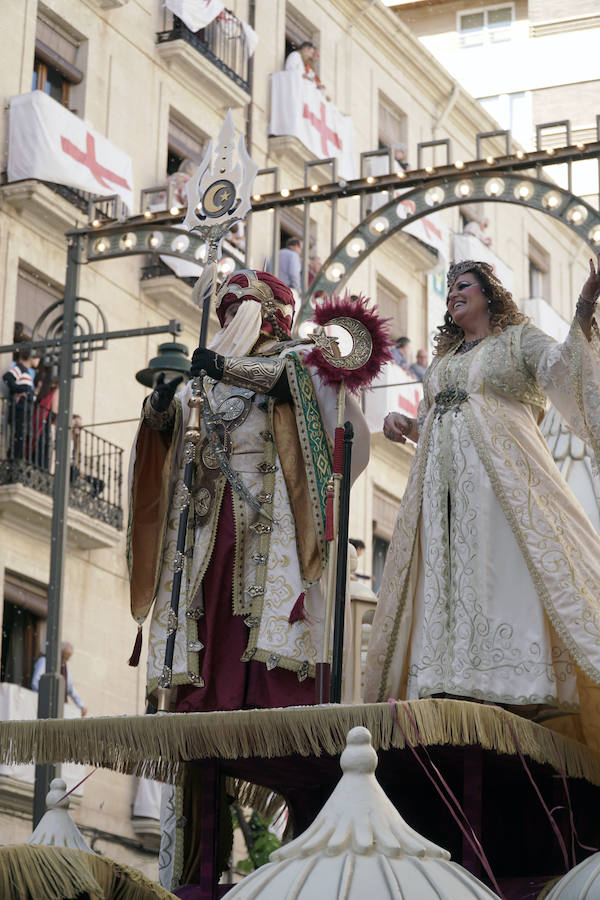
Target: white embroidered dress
[{"x": 491, "y": 588}]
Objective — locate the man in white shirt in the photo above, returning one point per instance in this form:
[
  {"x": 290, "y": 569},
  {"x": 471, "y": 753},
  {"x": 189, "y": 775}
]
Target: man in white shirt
[
  {"x": 290, "y": 264},
  {"x": 39, "y": 669}
]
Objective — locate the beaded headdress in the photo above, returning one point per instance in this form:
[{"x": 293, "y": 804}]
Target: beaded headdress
[
  {"x": 275, "y": 298},
  {"x": 472, "y": 265}
]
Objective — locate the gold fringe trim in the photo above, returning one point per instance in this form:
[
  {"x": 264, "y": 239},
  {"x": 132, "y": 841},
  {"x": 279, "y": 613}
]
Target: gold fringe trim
[
  {"x": 50, "y": 872},
  {"x": 153, "y": 746},
  {"x": 120, "y": 882},
  {"x": 61, "y": 873}
]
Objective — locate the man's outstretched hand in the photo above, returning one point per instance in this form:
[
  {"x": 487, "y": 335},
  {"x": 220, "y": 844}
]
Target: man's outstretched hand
[{"x": 163, "y": 392}]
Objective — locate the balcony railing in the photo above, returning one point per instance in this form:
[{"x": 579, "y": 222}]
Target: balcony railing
[
  {"x": 223, "y": 42},
  {"x": 27, "y": 457}
]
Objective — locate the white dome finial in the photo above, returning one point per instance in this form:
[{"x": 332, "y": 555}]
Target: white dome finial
[
  {"x": 359, "y": 845},
  {"x": 56, "y": 827}
]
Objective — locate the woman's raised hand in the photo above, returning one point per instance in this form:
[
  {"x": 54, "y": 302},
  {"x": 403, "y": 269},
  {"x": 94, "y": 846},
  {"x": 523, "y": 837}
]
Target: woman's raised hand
[{"x": 591, "y": 289}]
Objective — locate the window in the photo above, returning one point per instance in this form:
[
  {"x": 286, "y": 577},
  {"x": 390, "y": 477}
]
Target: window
[
  {"x": 23, "y": 627},
  {"x": 297, "y": 30},
  {"x": 54, "y": 68},
  {"x": 539, "y": 271},
  {"x": 482, "y": 26},
  {"x": 392, "y": 304},
  {"x": 392, "y": 129},
  {"x": 184, "y": 142},
  {"x": 34, "y": 294}
]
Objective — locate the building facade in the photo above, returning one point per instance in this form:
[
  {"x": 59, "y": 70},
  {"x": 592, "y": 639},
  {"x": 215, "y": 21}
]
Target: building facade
[{"x": 129, "y": 79}]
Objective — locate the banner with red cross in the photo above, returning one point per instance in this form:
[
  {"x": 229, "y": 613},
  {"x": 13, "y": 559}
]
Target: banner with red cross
[
  {"x": 300, "y": 109},
  {"x": 49, "y": 143}
]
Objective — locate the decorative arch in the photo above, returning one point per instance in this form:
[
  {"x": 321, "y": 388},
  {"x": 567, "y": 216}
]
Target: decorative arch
[{"x": 499, "y": 187}]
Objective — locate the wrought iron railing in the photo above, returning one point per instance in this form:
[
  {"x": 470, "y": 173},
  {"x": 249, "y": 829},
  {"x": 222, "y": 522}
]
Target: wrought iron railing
[
  {"x": 27, "y": 457},
  {"x": 80, "y": 199},
  {"x": 223, "y": 42},
  {"x": 156, "y": 268}
]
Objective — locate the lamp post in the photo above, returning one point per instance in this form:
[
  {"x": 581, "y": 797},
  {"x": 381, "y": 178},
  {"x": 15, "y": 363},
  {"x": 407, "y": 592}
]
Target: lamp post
[{"x": 52, "y": 684}]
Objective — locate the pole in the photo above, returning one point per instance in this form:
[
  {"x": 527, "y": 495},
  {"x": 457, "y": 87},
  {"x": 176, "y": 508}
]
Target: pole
[
  {"x": 52, "y": 684},
  {"x": 342, "y": 568},
  {"x": 192, "y": 437}
]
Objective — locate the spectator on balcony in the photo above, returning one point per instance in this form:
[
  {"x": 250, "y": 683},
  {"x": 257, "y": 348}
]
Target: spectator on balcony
[
  {"x": 177, "y": 181},
  {"x": 314, "y": 264},
  {"x": 418, "y": 368},
  {"x": 477, "y": 228},
  {"x": 290, "y": 264},
  {"x": 18, "y": 384},
  {"x": 44, "y": 415},
  {"x": 360, "y": 547},
  {"x": 303, "y": 61},
  {"x": 39, "y": 669},
  {"x": 400, "y": 161},
  {"x": 76, "y": 426},
  {"x": 399, "y": 350}
]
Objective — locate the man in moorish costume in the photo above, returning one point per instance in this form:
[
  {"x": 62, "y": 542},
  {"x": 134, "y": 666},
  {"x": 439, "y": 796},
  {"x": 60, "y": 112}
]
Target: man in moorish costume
[{"x": 252, "y": 606}]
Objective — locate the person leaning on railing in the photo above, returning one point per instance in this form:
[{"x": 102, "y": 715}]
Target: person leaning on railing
[{"x": 18, "y": 383}]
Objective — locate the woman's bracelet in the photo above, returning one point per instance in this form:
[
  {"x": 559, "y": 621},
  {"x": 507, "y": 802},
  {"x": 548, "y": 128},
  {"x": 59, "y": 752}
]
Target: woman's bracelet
[{"x": 585, "y": 306}]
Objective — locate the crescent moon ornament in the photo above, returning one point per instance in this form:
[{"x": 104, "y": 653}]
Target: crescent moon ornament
[
  {"x": 218, "y": 198},
  {"x": 370, "y": 343},
  {"x": 362, "y": 345}
]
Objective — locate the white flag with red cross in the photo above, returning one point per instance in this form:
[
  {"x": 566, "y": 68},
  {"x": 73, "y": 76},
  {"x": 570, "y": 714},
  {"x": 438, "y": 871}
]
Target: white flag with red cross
[
  {"x": 49, "y": 143},
  {"x": 299, "y": 108}
]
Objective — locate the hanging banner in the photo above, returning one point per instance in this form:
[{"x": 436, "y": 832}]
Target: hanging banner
[
  {"x": 49, "y": 143},
  {"x": 195, "y": 14},
  {"x": 300, "y": 109}
]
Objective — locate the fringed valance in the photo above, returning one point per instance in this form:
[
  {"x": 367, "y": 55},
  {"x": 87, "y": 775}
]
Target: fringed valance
[{"x": 153, "y": 746}]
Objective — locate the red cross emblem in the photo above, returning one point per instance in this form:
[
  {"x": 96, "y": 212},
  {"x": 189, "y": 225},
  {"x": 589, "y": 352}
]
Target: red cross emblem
[
  {"x": 88, "y": 159},
  {"x": 406, "y": 404},
  {"x": 322, "y": 127}
]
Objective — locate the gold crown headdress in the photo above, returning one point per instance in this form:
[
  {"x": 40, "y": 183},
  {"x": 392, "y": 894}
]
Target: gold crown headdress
[{"x": 472, "y": 265}]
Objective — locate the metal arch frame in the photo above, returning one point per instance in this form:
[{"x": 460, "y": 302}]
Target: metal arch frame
[
  {"x": 115, "y": 240},
  {"x": 453, "y": 190}
]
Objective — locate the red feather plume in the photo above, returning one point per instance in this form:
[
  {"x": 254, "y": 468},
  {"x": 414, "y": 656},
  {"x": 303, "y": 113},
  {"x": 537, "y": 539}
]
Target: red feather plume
[{"x": 355, "y": 379}]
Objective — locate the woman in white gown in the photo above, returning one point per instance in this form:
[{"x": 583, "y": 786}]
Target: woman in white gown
[{"x": 491, "y": 588}]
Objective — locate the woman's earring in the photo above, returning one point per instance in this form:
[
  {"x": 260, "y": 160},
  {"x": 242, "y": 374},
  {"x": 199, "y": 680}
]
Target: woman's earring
[{"x": 450, "y": 320}]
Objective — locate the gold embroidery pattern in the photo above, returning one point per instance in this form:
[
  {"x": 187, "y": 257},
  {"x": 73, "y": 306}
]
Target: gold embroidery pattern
[{"x": 536, "y": 518}]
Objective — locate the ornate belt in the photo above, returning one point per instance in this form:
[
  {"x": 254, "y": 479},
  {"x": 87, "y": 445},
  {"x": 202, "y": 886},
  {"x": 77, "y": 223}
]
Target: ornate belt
[{"x": 449, "y": 398}]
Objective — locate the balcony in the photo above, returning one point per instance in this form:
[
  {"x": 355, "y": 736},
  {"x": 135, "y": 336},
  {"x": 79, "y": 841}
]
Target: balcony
[
  {"x": 16, "y": 781},
  {"x": 27, "y": 466},
  {"x": 305, "y": 125},
  {"x": 37, "y": 202},
  {"x": 203, "y": 57}
]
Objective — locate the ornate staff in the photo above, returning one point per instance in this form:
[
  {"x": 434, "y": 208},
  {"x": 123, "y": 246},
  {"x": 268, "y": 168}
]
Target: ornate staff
[
  {"x": 352, "y": 372},
  {"x": 219, "y": 194}
]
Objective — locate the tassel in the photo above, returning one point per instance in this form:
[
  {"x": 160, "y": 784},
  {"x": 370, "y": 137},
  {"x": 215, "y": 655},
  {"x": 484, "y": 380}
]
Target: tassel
[
  {"x": 298, "y": 613},
  {"x": 329, "y": 516},
  {"x": 137, "y": 649}
]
